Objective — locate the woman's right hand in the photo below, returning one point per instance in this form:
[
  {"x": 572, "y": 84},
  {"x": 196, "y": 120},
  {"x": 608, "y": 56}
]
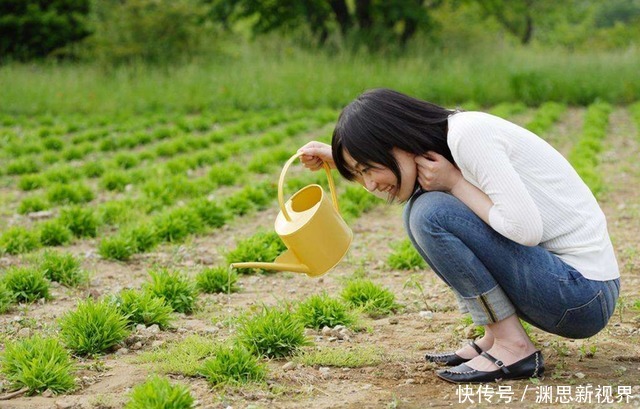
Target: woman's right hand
[{"x": 314, "y": 153}]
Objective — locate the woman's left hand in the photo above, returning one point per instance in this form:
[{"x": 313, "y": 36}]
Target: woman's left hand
[{"x": 435, "y": 172}]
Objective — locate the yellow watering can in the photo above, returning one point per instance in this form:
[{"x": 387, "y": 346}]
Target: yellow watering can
[{"x": 315, "y": 234}]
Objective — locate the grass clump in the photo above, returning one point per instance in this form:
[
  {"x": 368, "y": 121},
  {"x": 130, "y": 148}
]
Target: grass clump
[
  {"x": 232, "y": 364},
  {"x": 63, "y": 268},
  {"x": 273, "y": 333},
  {"x": 115, "y": 180},
  {"x": 69, "y": 194},
  {"x": 141, "y": 307},
  {"x": 18, "y": 240},
  {"x": 183, "y": 357},
  {"x": 262, "y": 246},
  {"x": 32, "y": 204},
  {"x": 175, "y": 288},
  {"x": 158, "y": 393},
  {"x": 373, "y": 299},
  {"x": 217, "y": 280},
  {"x": 175, "y": 225},
  {"x": 405, "y": 257},
  {"x": 82, "y": 222},
  {"x": 355, "y": 357},
  {"x": 38, "y": 364},
  {"x": 211, "y": 213},
  {"x": 54, "y": 233},
  {"x": 6, "y": 298},
  {"x": 321, "y": 310},
  {"x": 94, "y": 327},
  {"x": 143, "y": 237},
  {"x": 116, "y": 248},
  {"x": 31, "y": 182},
  {"x": 27, "y": 284}
]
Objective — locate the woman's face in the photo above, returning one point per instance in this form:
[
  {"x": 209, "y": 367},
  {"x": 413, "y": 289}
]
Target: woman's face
[{"x": 381, "y": 179}]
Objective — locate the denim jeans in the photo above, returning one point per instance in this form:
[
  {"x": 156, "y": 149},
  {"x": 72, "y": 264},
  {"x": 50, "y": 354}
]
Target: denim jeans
[{"x": 494, "y": 277}]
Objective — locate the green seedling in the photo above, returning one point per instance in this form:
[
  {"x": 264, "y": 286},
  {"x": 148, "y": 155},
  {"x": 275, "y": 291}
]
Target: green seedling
[
  {"x": 69, "y": 194},
  {"x": 115, "y": 180},
  {"x": 62, "y": 174},
  {"x": 321, "y": 310},
  {"x": 18, "y": 240},
  {"x": 373, "y": 299},
  {"x": 94, "y": 327},
  {"x": 116, "y": 248},
  {"x": 93, "y": 169},
  {"x": 22, "y": 166},
  {"x": 211, "y": 213},
  {"x": 63, "y": 268},
  {"x": 184, "y": 356},
  {"x": 405, "y": 257},
  {"x": 126, "y": 160},
  {"x": 115, "y": 213},
  {"x": 273, "y": 333},
  {"x": 232, "y": 364},
  {"x": 174, "y": 287},
  {"x": 262, "y": 246},
  {"x": 158, "y": 393},
  {"x": 80, "y": 220},
  {"x": 239, "y": 205},
  {"x": 176, "y": 224},
  {"x": 143, "y": 237},
  {"x": 53, "y": 144},
  {"x": 587, "y": 352},
  {"x": 7, "y": 298},
  {"x": 225, "y": 175},
  {"x": 38, "y": 364},
  {"x": 31, "y": 182},
  {"x": 54, "y": 233},
  {"x": 217, "y": 280},
  {"x": 27, "y": 284},
  {"x": 141, "y": 307},
  {"x": 33, "y": 204},
  {"x": 356, "y": 357}
]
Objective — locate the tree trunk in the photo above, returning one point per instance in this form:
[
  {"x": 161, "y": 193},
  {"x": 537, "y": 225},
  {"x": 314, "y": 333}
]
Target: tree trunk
[
  {"x": 528, "y": 31},
  {"x": 342, "y": 15},
  {"x": 363, "y": 14}
]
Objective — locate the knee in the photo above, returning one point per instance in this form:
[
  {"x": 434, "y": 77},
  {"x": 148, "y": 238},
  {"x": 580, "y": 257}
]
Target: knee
[{"x": 430, "y": 210}]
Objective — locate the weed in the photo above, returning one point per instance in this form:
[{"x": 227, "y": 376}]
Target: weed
[
  {"x": 93, "y": 169},
  {"x": 273, "y": 333},
  {"x": 81, "y": 221},
  {"x": 141, "y": 307},
  {"x": 184, "y": 356},
  {"x": 62, "y": 174},
  {"x": 356, "y": 357},
  {"x": 238, "y": 205},
  {"x": 30, "y": 182},
  {"x": 321, "y": 310},
  {"x": 63, "y": 268},
  {"x": 126, "y": 160},
  {"x": 69, "y": 194},
  {"x": 54, "y": 233},
  {"x": 158, "y": 393},
  {"x": 405, "y": 257},
  {"x": 22, "y": 166},
  {"x": 262, "y": 246},
  {"x": 143, "y": 237},
  {"x": 27, "y": 284},
  {"x": 584, "y": 352},
  {"x": 225, "y": 175},
  {"x": 93, "y": 327},
  {"x": 373, "y": 299},
  {"x": 217, "y": 280},
  {"x": 32, "y": 204},
  {"x": 115, "y": 180},
  {"x": 211, "y": 213},
  {"x": 415, "y": 281},
  {"x": 116, "y": 248},
  {"x": 177, "y": 290},
  {"x": 232, "y": 364},
  {"x": 175, "y": 225},
  {"x": 115, "y": 212},
  {"x": 38, "y": 364},
  {"x": 6, "y": 298}
]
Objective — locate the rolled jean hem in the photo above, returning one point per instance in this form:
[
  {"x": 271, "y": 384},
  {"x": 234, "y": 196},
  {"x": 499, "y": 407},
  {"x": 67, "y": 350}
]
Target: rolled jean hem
[
  {"x": 462, "y": 306},
  {"x": 489, "y": 307}
]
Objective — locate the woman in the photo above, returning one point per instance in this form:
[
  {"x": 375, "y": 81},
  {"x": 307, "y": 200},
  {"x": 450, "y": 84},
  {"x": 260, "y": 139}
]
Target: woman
[{"x": 497, "y": 213}]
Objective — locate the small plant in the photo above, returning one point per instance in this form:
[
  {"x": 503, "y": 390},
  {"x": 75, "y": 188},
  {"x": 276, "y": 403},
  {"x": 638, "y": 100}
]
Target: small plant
[
  {"x": 143, "y": 237},
  {"x": 30, "y": 182},
  {"x": 38, "y": 364},
  {"x": 374, "y": 300},
  {"x": 69, "y": 194},
  {"x": 225, "y": 175},
  {"x": 318, "y": 311},
  {"x": 175, "y": 288},
  {"x": 175, "y": 225},
  {"x": 158, "y": 393},
  {"x": 356, "y": 357},
  {"x": 183, "y": 356},
  {"x": 116, "y": 248},
  {"x": 589, "y": 352},
  {"x": 6, "y": 298},
  {"x": 54, "y": 233},
  {"x": 115, "y": 180},
  {"x": 232, "y": 364},
  {"x": 32, "y": 204},
  {"x": 262, "y": 246},
  {"x": 141, "y": 307},
  {"x": 115, "y": 212},
  {"x": 81, "y": 221},
  {"x": 93, "y": 327},
  {"x": 415, "y": 281},
  {"x": 18, "y": 240},
  {"x": 93, "y": 169},
  {"x": 478, "y": 330},
  {"x": 217, "y": 280},
  {"x": 27, "y": 284},
  {"x": 63, "y": 268},
  {"x": 405, "y": 257},
  {"x": 126, "y": 160},
  {"x": 211, "y": 213},
  {"x": 273, "y": 333}
]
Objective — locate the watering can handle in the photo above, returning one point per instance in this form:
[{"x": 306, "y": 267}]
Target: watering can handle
[{"x": 332, "y": 186}]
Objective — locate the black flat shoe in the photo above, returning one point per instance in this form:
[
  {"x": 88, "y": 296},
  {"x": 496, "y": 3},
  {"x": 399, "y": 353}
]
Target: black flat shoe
[
  {"x": 451, "y": 358},
  {"x": 529, "y": 367}
]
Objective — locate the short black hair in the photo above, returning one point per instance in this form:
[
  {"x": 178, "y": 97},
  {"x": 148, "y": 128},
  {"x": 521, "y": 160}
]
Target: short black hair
[{"x": 381, "y": 119}]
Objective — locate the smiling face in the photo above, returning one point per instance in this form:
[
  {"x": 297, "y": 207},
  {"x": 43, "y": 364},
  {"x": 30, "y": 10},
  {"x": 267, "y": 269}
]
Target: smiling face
[{"x": 377, "y": 178}]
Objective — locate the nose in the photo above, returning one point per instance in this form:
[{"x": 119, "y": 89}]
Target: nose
[{"x": 369, "y": 184}]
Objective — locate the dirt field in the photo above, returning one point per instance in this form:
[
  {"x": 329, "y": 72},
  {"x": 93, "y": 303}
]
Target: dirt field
[{"x": 402, "y": 379}]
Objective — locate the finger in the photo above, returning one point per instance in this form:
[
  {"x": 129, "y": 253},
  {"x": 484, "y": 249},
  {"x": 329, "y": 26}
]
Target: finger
[{"x": 421, "y": 160}]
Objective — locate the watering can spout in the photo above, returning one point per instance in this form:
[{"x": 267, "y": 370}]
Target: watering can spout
[{"x": 286, "y": 261}]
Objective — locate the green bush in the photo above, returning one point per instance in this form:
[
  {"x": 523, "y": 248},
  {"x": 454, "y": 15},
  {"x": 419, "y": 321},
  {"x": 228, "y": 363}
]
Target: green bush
[
  {"x": 94, "y": 327},
  {"x": 114, "y": 213},
  {"x": 232, "y": 364},
  {"x": 373, "y": 299},
  {"x": 18, "y": 240},
  {"x": 262, "y": 246},
  {"x": 273, "y": 333},
  {"x": 175, "y": 288},
  {"x": 217, "y": 280},
  {"x": 141, "y": 307},
  {"x": 27, "y": 284},
  {"x": 319, "y": 311},
  {"x": 54, "y": 233},
  {"x": 63, "y": 268},
  {"x": 158, "y": 393},
  {"x": 38, "y": 364}
]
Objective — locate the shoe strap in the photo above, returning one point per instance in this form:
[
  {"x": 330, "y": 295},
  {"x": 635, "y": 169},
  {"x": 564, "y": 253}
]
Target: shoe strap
[
  {"x": 496, "y": 362},
  {"x": 476, "y": 347}
]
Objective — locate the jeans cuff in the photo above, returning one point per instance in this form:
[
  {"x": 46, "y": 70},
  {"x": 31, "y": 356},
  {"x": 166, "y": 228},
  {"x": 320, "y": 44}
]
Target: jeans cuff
[
  {"x": 462, "y": 306},
  {"x": 489, "y": 307}
]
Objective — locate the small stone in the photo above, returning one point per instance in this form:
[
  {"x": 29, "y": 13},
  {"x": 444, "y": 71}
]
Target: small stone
[
  {"x": 326, "y": 331},
  {"x": 157, "y": 344},
  {"x": 65, "y": 404},
  {"x": 332, "y": 339},
  {"x": 136, "y": 346},
  {"x": 394, "y": 320},
  {"x": 325, "y": 372},
  {"x": 289, "y": 366},
  {"x": 17, "y": 318},
  {"x": 579, "y": 375},
  {"x": 211, "y": 330},
  {"x": 426, "y": 314},
  {"x": 339, "y": 328},
  {"x": 140, "y": 327},
  {"x": 409, "y": 381},
  {"x": 154, "y": 329},
  {"x": 44, "y": 214},
  {"x": 122, "y": 351},
  {"x": 47, "y": 393},
  {"x": 366, "y": 386},
  {"x": 24, "y": 332}
]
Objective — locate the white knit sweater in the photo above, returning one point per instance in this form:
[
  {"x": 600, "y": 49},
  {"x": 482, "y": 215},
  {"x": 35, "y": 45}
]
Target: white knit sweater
[{"x": 538, "y": 198}]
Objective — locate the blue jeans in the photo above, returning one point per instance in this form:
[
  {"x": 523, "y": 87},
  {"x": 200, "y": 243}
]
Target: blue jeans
[{"x": 494, "y": 277}]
